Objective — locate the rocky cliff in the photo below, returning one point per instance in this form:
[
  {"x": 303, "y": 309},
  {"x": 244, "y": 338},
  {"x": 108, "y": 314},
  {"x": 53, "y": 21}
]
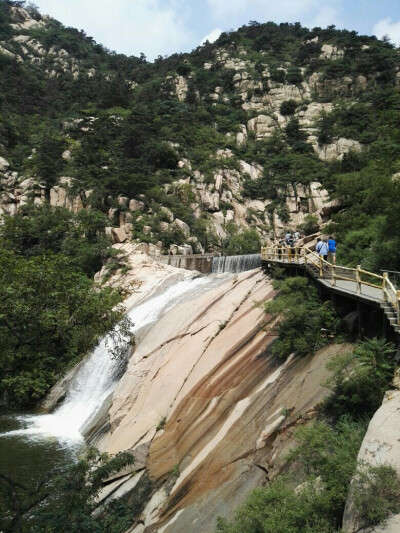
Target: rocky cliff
[
  {"x": 249, "y": 133},
  {"x": 206, "y": 410}
]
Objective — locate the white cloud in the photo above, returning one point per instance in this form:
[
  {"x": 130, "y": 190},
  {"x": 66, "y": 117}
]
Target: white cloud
[
  {"x": 311, "y": 12},
  {"x": 387, "y": 27},
  {"x": 150, "y": 26},
  {"x": 325, "y": 17},
  {"x": 212, "y": 36}
]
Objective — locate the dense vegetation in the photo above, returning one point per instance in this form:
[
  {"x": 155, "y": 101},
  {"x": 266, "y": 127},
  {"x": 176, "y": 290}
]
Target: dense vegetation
[
  {"x": 126, "y": 129},
  {"x": 51, "y": 313},
  {"x": 305, "y": 323}
]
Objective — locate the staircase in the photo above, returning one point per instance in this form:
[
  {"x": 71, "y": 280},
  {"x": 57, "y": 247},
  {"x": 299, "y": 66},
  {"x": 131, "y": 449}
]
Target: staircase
[
  {"x": 390, "y": 312},
  {"x": 392, "y": 315},
  {"x": 312, "y": 270}
]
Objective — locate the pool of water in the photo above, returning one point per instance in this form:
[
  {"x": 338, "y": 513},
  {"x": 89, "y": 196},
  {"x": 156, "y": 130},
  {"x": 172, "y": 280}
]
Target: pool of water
[{"x": 28, "y": 457}]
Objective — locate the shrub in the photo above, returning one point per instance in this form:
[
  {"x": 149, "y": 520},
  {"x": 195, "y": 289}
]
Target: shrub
[
  {"x": 305, "y": 321},
  {"x": 184, "y": 69},
  {"x": 278, "y": 75},
  {"x": 288, "y": 107},
  {"x": 310, "y": 224},
  {"x": 360, "y": 379},
  {"x": 376, "y": 494},
  {"x": 294, "y": 75}
]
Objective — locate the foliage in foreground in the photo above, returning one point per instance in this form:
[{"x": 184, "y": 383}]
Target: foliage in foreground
[
  {"x": 305, "y": 323},
  {"x": 66, "y": 502},
  {"x": 324, "y": 461}
]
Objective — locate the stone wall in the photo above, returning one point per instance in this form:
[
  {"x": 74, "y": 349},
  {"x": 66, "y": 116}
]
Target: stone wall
[{"x": 201, "y": 263}]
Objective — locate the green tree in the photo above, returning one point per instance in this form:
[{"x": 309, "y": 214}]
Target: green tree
[
  {"x": 247, "y": 242},
  {"x": 49, "y": 162},
  {"x": 66, "y": 501},
  {"x": 305, "y": 321},
  {"x": 38, "y": 229},
  {"x": 288, "y": 107},
  {"x": 375, "y": 492},
  {"x": 360, "y": 378},
  {"x": 51, "y": 315}
]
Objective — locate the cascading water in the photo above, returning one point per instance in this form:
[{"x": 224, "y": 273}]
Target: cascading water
[
  {"x": 235, "y": 263},
  {"x": 97, "y": 377}
]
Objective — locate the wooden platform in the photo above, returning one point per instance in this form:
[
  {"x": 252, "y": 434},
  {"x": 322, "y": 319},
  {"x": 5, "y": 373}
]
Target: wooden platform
[{"x": 328, "y": 276}]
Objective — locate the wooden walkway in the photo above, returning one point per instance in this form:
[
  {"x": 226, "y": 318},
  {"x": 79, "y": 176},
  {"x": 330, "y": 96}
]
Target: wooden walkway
[{"x": 354, "y": 283}]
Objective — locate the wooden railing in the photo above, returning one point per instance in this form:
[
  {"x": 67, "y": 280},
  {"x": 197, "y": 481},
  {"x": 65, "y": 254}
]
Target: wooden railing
[{"x": 333, "y": 272}]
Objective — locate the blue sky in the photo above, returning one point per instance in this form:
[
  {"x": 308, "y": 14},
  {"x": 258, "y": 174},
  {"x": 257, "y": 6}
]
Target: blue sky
[{"x": 162, "y": 27}]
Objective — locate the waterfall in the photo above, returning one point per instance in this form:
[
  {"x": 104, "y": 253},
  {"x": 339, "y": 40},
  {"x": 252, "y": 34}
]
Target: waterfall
[
  {"x": 96, "y": 378},
  {"x": 235, "y": 263}
]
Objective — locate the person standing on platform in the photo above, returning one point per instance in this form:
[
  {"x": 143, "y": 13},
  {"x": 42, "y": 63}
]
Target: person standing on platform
[
  {"x": 279, "y": 250},
  {"x": 291, "y": 250},
  {"x": 322, "y": 249},
  {"x": 332, "y": 250}
]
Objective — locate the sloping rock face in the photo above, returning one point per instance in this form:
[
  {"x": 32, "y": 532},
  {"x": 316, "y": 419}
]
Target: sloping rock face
[
  {"x": 140, "y": 279},
  {"x": 140, "y": 276},
  {"x": 215, "y": 410},
  {"x": 380, "y": 446}
]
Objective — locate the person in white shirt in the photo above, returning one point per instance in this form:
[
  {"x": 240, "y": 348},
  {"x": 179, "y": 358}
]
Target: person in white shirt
[{"x": 322, "y": 248}]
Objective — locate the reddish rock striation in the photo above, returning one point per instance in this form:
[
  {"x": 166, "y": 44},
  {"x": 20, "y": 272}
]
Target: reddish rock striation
[{"x": 228, "y": 409}]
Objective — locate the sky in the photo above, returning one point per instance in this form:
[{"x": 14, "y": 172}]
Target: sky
[{"x": 164, "y": 27}]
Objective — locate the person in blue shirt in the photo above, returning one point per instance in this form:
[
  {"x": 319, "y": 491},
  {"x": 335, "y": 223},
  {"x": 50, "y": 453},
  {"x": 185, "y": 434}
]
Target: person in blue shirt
[{"x": 332, "y": 250}]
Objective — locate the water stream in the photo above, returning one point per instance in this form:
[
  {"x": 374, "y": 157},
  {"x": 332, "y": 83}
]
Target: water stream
[{"x": 97, "y": 377}]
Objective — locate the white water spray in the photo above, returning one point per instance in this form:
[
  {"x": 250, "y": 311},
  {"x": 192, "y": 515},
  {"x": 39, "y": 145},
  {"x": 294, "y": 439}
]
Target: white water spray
[{"x": 97, "y": 377}]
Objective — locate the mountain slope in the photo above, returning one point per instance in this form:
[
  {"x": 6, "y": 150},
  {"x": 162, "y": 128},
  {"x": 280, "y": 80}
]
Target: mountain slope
[{"x": 255, "y": 130}]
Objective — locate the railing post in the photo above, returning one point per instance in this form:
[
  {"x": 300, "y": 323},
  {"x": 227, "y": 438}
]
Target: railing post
[
  {"x": 333, "y": 275},
  {"x": 305, "y": 255},
  {"x": 296, "y": 254},
  {"x": 384, "y": 289},
  {"x": 398, "y": 306},
  {"x": 320, "y": 266},
  {"x": 358, "y": 279}
]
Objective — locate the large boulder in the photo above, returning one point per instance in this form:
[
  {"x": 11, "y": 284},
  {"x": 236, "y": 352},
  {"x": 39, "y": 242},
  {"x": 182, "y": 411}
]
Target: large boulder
[
  {"x": 328, "y": 51},
  {"x": 254, "y": 170},
  {"x": 182, "y": 226},
  {"x": 210, "y": 200},
  {"x": 4, "y": 164},
  {"x": 135, "y": 205},
  {"x": 261, "y": 126},
  {"x": 337, "y": 149},
  {"x": 317, "y": 196},
  {"x": 119, "y": 235}
]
